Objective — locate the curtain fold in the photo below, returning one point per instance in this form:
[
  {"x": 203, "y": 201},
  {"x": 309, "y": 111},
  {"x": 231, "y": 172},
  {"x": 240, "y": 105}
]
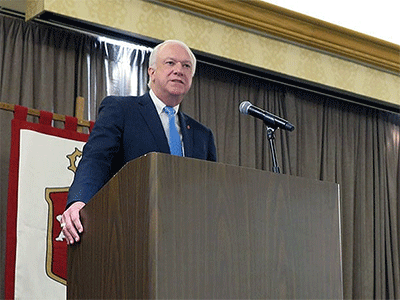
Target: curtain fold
[
  {"x": 41, "y": 66},
  {"x": 126, "y": 67},
  {"x": 90, "y": 76}
]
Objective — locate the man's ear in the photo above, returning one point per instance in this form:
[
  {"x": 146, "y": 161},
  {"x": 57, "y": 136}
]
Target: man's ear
[{"x": 151, "y": 71}]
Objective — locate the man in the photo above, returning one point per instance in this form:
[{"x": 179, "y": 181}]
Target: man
[{"x": 129, "y": 127}]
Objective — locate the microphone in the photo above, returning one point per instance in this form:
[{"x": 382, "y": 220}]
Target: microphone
[{"x": 269, "y": 119}]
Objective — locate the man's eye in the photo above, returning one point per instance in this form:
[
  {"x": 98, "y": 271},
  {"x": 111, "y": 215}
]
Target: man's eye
[
  {"x": 189, "y": 66},
  {"x": 170, "y": 63}
]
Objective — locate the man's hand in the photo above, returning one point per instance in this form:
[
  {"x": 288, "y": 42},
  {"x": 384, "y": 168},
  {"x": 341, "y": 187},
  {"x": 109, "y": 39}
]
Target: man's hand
[{"x": 71, "y": 223}]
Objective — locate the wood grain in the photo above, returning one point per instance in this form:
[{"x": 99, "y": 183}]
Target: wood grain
[{"x": 176, "y": 228}]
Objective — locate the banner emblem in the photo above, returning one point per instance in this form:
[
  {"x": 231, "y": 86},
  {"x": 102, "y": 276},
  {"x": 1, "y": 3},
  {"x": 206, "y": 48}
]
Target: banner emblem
[{"x": 56, "y": 256}]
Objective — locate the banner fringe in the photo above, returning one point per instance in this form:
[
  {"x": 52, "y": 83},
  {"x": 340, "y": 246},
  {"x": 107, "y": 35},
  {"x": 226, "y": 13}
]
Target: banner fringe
[{"x": 36, "y": 113}]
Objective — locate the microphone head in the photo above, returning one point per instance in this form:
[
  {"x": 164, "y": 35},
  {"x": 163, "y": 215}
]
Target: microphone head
[{"x": 244, "y": 107}]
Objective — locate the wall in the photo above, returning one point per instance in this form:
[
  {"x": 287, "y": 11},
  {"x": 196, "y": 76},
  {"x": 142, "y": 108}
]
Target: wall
[{"x": 200, "y": 32}]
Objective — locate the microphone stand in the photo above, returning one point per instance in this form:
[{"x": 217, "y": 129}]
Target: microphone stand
[{"x": 271, "y": 140}]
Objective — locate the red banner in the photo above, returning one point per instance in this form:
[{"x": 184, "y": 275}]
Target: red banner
[{"x": 43, "y": 161}]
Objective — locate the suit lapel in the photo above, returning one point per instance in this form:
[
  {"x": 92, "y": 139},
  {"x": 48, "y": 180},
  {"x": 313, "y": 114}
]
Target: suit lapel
[
  {"x": 150, "y": 115},
  {"x": 187, "y": 134}
]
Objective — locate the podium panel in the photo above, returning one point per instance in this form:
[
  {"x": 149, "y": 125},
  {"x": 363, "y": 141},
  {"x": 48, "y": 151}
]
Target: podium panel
[{"x": 167, "y": 227}]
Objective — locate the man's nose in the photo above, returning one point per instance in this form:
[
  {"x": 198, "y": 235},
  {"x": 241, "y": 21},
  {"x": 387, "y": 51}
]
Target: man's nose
[{"x": 178, "y": 68}]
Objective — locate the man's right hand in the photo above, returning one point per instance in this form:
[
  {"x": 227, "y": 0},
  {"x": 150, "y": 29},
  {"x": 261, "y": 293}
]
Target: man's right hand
[{"x": 71, "y": 222}]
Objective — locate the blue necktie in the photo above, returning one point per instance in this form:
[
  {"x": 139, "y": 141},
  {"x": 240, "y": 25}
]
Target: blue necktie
[{"x": 174, "y": 139}]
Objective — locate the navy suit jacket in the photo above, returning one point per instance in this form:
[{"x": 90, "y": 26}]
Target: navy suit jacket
[{"x": 127, "y": 128}]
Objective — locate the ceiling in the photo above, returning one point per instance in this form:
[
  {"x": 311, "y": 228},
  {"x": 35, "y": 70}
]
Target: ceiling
[
  {"x": 376, "y": 19},
  {"x": 385, "y": 23},
  {"x": 16, "y": 5}
]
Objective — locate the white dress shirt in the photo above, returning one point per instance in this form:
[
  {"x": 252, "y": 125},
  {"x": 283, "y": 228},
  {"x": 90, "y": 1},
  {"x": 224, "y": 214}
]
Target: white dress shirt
[{"x": 164, "y": 117}]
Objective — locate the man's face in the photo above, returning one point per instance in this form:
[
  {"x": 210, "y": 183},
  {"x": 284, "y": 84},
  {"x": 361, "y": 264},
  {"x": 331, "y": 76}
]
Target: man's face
[{"x": 172, "y": 77}]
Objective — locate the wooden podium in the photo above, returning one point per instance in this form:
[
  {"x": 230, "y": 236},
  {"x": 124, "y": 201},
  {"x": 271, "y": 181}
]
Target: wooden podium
[{"x": 167, "y": 227}]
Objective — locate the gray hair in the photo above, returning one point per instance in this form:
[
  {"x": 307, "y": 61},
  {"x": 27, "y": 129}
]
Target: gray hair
[{"x": 154, "y": 54}]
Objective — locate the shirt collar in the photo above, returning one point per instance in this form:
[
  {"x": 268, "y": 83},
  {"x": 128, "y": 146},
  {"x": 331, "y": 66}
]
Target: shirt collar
[{"x": 159, "y": 104}]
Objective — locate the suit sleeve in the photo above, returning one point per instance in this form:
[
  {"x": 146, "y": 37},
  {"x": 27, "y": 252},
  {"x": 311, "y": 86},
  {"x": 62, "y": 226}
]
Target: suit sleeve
[
  {"x": 212, "y": 151},
  {"x": 94, "y": 169}
]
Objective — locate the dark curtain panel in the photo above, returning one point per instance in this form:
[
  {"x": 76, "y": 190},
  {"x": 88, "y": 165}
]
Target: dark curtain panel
[{"x": 334, "y": 140}]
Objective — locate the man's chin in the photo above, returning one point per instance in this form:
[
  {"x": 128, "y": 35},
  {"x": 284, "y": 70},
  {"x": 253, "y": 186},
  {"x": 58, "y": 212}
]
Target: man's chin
[{"x": 178, "y": 91}]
